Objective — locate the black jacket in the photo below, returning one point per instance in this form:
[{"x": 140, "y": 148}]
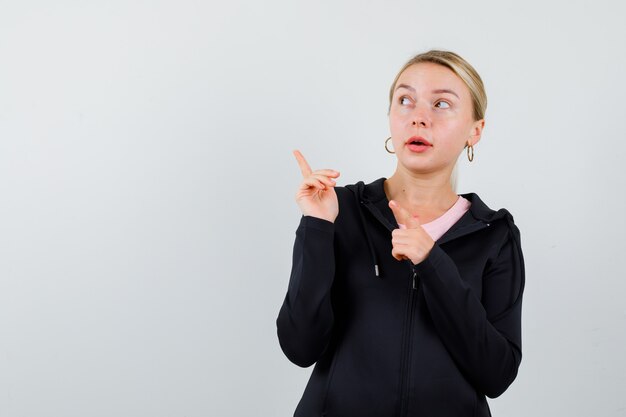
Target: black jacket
[{"x": 390, "y": 338}]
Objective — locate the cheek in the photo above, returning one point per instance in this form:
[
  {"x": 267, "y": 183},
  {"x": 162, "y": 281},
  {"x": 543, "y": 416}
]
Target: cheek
[
  {"x": 452, "y": 126},
  {"x": 399, "y": 118},
  {"x": 399, "y": 112},
  {"x": 403, "y": 111},
  {"x": 394, "y": 121}
]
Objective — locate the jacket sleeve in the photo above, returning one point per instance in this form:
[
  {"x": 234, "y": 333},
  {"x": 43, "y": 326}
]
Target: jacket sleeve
[
  {"x": 483, "y": 336},
  {"x": 305, "y": 319}
]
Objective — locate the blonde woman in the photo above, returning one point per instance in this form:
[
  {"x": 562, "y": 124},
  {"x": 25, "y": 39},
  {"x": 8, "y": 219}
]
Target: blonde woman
[{"x": 406, "y": 296}]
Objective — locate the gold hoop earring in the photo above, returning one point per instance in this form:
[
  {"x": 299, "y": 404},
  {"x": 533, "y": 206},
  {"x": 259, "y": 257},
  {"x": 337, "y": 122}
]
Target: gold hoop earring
[
  {"x": 387, "y": 149},
  {"x": 470, "y": 152}
]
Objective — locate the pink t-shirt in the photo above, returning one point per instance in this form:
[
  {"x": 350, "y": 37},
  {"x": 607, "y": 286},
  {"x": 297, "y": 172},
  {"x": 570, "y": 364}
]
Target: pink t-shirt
[{"x": 441, "y": 224}]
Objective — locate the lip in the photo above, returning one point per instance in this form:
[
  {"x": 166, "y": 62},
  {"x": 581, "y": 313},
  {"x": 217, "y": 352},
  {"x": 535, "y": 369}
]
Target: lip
[{"x": 416, "y": 138}]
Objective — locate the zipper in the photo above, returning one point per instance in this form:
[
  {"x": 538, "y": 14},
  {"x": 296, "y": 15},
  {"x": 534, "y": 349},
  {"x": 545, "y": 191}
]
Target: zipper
[{"x": 407, "y": 339}]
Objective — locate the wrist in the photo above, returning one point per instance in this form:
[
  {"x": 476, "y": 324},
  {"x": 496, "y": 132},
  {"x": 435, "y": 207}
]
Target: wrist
[{"x": 319, "y": 218}]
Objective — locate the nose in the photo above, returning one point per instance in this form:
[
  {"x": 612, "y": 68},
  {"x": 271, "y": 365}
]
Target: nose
[{"x": 420, "y": 118}]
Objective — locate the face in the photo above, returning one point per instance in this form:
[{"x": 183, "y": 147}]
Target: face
[{"x": 432, "y": 102}]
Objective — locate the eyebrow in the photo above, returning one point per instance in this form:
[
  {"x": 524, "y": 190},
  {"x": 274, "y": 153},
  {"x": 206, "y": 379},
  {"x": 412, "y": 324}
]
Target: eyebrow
[{"x": 438, "y": 91}]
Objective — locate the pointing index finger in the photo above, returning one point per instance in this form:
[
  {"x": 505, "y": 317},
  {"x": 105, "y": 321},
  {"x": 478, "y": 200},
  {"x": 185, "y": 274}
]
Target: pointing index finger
[
  {"x": 304, "y": 166},
  {"x": 403, "y": 217}
]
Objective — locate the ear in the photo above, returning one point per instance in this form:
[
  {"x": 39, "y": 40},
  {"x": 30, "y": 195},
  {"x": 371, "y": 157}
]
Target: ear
[{"x": 476, "y": 131}]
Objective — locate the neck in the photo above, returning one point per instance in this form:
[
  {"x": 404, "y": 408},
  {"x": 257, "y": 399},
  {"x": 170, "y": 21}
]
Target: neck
[{"x": 431, "y": 191}]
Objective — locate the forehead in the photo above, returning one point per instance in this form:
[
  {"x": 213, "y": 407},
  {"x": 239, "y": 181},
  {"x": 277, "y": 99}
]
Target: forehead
[{"x": 428, "y": 76}]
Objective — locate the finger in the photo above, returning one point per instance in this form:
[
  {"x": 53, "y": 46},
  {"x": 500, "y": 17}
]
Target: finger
[
  {"x": 400, "y": 213},
  {"x": 403, "y": 217},
  {"x": 397, "y": 254},
  {"x": 327, "y": 172},
  {"x": 324, "y": 179},
  {"x": 304, "y": 166},
  {"x": 321, "y": 182},
  {"x": 413, "y": 222},
  {"x": 311, "y": 182},
  {"x": 402, "y": 238}
]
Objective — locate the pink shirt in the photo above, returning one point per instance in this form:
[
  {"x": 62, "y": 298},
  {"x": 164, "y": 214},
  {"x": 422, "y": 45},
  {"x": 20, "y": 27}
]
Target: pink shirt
[{"x": 441, "y": 224}]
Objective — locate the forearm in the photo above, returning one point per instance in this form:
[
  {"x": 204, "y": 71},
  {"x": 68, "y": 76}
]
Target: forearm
[
  {"x": 305, "y": 319},
  {"x": 488, "y": 353}
]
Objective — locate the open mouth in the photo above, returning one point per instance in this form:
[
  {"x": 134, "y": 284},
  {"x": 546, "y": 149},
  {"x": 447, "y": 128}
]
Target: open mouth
[
  {"x": 418, "y": 140},
  {"x": 418, "y": 144}
]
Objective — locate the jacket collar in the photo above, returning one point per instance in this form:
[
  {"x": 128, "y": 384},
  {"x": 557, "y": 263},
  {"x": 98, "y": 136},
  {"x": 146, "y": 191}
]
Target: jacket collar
[
  {"x": 373, "y": 197},
  {"x": 374, "y": 192}
]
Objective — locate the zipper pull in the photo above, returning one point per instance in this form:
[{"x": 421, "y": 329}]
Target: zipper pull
[{"x": 414, "y": 280}]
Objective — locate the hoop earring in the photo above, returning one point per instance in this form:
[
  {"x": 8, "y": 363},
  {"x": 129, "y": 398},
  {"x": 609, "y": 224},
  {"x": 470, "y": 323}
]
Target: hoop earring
[
  {"x": 470, "y": 152},
  {"x": 387, "y": 149}
]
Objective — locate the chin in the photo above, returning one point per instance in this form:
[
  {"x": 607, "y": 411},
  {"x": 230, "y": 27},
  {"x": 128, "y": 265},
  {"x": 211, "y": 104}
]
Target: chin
[{"x": 423, "y": 166}]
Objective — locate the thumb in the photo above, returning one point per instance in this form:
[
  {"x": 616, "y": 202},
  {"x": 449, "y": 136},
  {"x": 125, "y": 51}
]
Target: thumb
[{"x": 403, "y": 217}]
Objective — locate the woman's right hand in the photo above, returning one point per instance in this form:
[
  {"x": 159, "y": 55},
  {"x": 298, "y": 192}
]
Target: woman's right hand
[{"x": 316, "y": 196}]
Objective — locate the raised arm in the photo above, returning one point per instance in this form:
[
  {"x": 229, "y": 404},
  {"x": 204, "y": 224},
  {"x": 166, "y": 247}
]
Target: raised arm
[{"x": 305, "y": 319}]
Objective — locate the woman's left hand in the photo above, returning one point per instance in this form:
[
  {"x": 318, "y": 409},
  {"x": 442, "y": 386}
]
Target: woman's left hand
[{"x": 410, "y": 241}]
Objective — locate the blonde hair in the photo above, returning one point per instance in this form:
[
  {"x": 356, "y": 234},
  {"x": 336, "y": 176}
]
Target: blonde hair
[{"x": 461, "y": 68}]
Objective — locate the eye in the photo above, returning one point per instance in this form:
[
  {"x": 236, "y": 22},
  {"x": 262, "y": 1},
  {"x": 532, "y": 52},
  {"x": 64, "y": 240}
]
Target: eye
[
  {"x": 443, "y": 102},
  {"x": 401, "y": 99}
]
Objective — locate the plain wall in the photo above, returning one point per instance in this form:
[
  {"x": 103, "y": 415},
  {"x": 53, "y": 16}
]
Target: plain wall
[{"x": 147, "y": 184}]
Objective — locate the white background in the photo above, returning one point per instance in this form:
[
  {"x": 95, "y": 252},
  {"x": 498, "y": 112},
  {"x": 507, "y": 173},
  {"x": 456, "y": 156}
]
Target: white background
[{"x": 147, "y": 181}]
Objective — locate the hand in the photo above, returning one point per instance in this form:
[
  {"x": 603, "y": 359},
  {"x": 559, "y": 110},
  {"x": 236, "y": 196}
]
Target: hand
[
  {"x": 410, "y": 241},
  {"x": 316, "y": 196}
]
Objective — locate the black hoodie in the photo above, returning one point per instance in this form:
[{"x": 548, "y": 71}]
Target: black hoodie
[{"x": 390, "y": 338}]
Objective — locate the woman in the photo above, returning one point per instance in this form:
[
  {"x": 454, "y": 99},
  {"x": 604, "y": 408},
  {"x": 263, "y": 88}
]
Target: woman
[{"x": 405, "y": 295}]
